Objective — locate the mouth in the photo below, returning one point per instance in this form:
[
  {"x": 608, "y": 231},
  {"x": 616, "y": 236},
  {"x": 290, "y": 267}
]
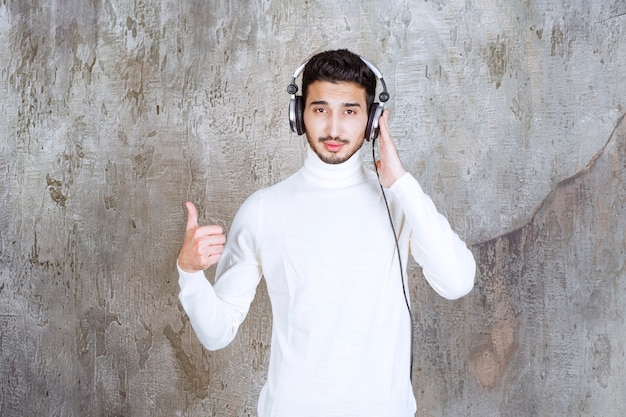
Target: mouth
[{"x": 333, "y": 144}]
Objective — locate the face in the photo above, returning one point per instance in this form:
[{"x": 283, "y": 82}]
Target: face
[{"x": 335, "y": 116}]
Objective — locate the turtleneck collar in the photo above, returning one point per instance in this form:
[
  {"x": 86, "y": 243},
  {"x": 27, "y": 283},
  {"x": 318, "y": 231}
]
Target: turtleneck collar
[{"x": 322, "y": 174}]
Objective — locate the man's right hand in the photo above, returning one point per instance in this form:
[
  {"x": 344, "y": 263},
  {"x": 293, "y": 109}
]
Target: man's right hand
[{"x": 202, "y": 246}]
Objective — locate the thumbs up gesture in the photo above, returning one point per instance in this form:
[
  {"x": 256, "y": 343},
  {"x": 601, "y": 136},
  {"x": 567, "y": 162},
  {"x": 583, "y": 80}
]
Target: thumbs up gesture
[{"x": 202, "y": 245}]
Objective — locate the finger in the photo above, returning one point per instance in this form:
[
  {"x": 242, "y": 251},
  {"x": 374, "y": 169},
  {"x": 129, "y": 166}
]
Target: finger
[
  {"x": 383, "y": 122},
  {"x": 384, "y": 133},
  {"x": 213, "y": 250},
  {"x": 213, "y": 259},
  {"x": 213, "y": 239},
  {"x": 208, "y": 230},
  {"x": 385, "y": 137},
  {"x": 384, "y": 118},
  {"x": 192, "y": 216},
  {"x": 211, "y": 255}
]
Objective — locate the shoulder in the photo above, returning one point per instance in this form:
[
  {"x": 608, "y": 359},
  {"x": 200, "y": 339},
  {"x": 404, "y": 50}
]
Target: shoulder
[{"x": 272, "y": 193}]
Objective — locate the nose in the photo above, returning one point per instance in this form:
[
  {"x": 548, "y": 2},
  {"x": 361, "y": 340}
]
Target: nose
[{"x": 334, "y": 127}]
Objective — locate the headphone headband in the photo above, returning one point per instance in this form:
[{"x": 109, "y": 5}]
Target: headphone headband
[{"x": 383, "y": 96}]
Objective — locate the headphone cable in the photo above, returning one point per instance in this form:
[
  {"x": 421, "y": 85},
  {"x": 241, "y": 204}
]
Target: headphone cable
[{"x": 395, "y": 236}]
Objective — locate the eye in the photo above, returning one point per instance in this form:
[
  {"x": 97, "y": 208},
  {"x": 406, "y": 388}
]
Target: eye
[
  {"x": 350, "y": 111},
  {"x": 319, "y": 110}
]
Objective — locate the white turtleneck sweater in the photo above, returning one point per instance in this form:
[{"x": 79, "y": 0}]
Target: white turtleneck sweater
[{"x": 341, "y": 330}]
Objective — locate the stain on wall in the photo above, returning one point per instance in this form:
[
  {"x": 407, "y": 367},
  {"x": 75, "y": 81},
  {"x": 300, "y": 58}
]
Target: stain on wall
[
  {"x": 540, "y": 331},
  {"x": 114, "y": 113}
]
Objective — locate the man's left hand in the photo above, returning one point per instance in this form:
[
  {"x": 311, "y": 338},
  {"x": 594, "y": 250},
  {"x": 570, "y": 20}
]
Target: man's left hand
[{"x": 389, "y": 166}]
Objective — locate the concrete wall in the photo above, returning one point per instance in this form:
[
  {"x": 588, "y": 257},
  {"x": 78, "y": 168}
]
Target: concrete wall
[{"x": 510, "y": 113}]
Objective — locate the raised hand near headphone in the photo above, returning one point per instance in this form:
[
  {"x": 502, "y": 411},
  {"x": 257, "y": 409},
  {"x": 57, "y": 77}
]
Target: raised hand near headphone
[
  {"x": 202, "y": 245},
  {"x": 389, "y": 166}
]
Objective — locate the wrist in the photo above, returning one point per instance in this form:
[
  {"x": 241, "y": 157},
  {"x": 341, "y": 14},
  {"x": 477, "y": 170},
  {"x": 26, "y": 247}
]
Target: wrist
[{"x": 185, "y": 268}]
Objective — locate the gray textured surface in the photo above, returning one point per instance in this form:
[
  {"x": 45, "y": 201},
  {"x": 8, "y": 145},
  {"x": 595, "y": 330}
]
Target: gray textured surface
[{"x": 114, "y": 113}]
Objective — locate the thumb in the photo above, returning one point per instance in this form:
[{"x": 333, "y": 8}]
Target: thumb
[{"x": 192, "y": 216}]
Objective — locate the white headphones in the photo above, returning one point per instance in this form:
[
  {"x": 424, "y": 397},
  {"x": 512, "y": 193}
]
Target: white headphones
[{"x": 296, "y": 104}]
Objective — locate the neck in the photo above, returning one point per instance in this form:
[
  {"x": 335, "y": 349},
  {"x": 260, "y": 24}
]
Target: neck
[{"x": 340, "y": 175}]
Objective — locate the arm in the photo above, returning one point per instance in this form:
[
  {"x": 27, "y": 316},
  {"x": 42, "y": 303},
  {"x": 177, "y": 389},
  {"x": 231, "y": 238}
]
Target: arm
[
  {"x": 447, "y": 263},
  {"x": 216, "y": 312}
]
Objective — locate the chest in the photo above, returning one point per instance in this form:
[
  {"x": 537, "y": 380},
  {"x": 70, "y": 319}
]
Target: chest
[{"x": 327, "y": 239}]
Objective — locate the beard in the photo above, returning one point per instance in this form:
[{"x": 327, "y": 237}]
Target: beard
[{"x": 331, "y": 157}]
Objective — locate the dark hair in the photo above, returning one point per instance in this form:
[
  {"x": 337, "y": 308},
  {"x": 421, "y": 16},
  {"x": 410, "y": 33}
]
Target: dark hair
[{"x": 339, "y": 66}]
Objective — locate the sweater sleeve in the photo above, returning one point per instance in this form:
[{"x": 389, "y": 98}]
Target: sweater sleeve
[
  {"x": 217, "y": 311},
  {"x": 448, "y": 265}
]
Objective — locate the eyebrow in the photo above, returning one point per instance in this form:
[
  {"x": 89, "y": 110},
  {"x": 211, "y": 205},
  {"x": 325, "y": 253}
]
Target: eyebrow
[{"x": 325, "y": 103}]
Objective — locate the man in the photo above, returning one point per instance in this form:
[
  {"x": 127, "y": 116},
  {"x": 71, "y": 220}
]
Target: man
[{"x": 322, "y": 239}]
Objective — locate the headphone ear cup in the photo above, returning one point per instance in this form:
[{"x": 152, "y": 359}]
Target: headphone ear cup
[
  {"x": 371, "y": 131},
  {"x": 299, "y": 115}
]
